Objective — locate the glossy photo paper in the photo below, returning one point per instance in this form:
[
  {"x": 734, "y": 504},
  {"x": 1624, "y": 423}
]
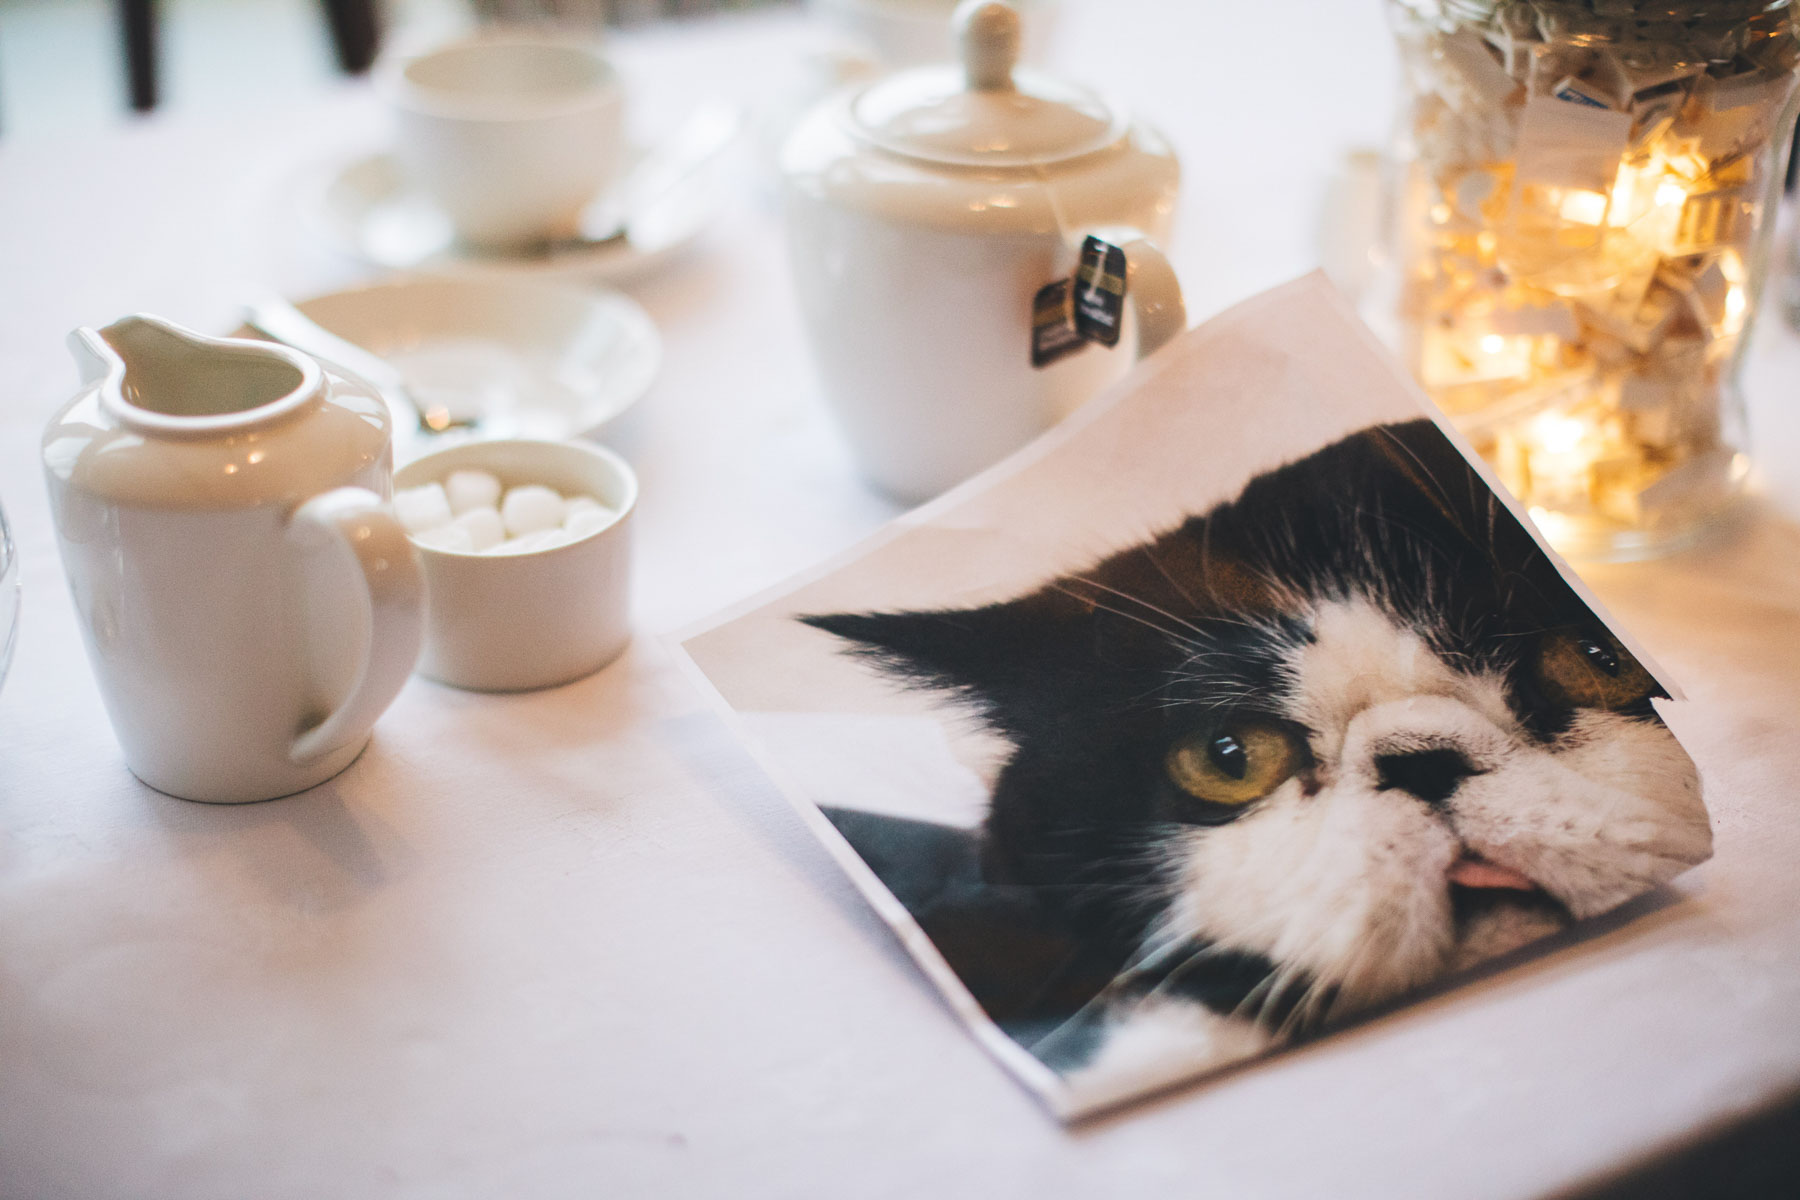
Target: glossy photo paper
[{"x": 1237, "y": 706}]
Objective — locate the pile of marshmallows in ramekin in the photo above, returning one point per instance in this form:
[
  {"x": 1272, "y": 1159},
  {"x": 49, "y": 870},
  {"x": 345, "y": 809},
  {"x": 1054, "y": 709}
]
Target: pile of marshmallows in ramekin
[{"x": 470, "y": 513}]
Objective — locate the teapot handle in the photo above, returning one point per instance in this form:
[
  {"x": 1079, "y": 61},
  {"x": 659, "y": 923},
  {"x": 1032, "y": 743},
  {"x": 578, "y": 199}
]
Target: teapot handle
[
  {"x": 363, "y": 524},
  {"x": 1150, "y": 286}
]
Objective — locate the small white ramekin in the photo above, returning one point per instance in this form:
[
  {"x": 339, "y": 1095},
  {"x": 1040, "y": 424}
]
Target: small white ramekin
[{"x": 513, "y": 622}]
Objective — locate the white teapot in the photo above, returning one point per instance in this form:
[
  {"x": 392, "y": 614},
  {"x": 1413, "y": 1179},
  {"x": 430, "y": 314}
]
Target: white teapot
[
  {"x": 249, "y": 602},
  {"x": 926, "y": 214}
]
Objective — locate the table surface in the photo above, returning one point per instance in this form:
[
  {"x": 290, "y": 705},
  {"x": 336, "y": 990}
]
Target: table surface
[{"x": 573, "y": 943}]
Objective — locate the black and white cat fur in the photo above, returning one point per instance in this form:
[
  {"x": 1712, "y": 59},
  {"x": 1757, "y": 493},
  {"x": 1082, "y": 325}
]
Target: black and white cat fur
[{"x": 1456, "y": 791}]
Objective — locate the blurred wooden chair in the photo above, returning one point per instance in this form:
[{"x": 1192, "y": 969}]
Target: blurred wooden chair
[
  {"x": 604, "y": 12},
  {"x": 355, "y": 34}
]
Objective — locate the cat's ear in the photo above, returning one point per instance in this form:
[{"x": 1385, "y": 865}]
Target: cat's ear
[
  {"x": 1418, "y": 453},
  {"x": 987, "y": 653}
]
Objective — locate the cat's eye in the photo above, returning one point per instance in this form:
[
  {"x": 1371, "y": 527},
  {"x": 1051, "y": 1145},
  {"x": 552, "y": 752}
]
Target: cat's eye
[
  {"x": 1236, "y": 763},
  {"x": 1591, "y": 670}
]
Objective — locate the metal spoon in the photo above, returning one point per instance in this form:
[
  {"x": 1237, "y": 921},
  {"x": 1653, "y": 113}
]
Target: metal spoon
[
  {"x": 276, "y": 318},
  {"x": 701, "y": 139}
]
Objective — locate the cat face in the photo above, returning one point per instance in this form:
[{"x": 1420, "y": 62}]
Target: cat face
[{"x": 1352, "y": 726}]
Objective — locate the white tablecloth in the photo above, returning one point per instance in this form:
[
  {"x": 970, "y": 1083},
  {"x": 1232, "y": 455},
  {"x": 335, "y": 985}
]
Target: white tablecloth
[{"x": 572, "y": 944}]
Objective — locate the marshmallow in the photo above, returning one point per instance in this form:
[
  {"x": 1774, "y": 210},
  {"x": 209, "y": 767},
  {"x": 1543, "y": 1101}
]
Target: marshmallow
[
  {"x": 484, "y": 527},
  {"x": 421, "y": 508},
  {"x": 531, "y": 543},
  {"x": 588, "y": 520},
  {"x": 577, "y": 504},
  {"x": 472, "y": 489},
  {"x": 446, "y": 537},
  {"x": 530, "y": 518},
  {"x": 531, "y": 508}
]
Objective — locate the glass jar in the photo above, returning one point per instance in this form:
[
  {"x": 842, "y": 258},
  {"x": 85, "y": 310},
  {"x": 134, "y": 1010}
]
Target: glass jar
[
  {"x": 9, "y": 595},
  {"x": 1582, "y": 193}
]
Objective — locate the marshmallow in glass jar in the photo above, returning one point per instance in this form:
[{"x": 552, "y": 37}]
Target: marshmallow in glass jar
[{"x": 1583, "y": 203}]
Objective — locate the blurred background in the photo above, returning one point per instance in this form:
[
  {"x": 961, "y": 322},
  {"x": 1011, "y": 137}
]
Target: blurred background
[{"x": 65, "y": 64}]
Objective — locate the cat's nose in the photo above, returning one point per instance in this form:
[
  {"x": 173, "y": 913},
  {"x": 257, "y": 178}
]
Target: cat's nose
[{"x": 1431, "y": 775}]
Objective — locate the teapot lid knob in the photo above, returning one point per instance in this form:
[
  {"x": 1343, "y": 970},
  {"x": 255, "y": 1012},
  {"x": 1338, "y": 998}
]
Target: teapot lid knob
[{"x": 988, "y": 33}]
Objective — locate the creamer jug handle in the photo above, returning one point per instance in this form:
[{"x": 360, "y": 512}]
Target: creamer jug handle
[{"x": 364, "y": 525}]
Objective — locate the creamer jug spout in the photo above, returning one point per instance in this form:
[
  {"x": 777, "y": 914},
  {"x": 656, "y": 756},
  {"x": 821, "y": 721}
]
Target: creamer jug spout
[
  {"x": 157, "y": 377},
  {"x": 94, "y": 359}
]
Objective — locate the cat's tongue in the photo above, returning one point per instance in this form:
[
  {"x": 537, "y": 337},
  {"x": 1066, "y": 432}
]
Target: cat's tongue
[{"x": 1474, "y": 871}]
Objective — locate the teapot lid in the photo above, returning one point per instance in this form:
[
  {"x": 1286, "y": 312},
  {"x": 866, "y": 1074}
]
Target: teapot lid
[{"x": 984, "y": 113}]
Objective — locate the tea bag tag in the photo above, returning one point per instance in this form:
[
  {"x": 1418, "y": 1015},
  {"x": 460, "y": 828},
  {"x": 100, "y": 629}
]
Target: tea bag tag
[
  {"x": 1067, "y": 314},
  {"x": 1570, "y": 144},
  {"x": 1100, "y": 292},
  {"x": 1053, "y": 334}
]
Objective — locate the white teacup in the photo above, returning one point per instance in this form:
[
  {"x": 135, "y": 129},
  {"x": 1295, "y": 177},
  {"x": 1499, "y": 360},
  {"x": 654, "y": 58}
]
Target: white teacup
[{"x": 511, "y": 133}]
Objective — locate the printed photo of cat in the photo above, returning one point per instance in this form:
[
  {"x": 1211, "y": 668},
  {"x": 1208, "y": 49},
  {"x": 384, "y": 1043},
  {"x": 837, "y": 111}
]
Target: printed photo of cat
[
  {"x": 1239, "y": 708},
  {"x": 1337, "y": 737}
]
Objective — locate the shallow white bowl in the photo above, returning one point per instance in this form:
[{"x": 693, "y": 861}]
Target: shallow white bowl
[
  {"x": 538, "y": 358},
  {"x": 513, "y": 622}
]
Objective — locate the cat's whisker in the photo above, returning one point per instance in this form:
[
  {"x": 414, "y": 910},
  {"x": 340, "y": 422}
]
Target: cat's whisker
[
  {"x": 1150, "y": 553},
  {"x": 1175, "y": 638},
  {"x": 1273, "y": 995},
  {"x": 1067, "y": 590},
  {"x": 1198, "y": 955}
]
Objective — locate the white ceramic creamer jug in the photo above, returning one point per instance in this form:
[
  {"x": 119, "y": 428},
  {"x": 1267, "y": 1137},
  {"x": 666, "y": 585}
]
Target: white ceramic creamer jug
[
  {"x": 250, "y": 604},
  {"x": 925, "y": 214}
]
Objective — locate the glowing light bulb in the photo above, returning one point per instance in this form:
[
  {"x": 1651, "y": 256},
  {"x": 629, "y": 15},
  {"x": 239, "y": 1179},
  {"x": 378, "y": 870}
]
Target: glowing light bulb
[
  {"x": 1623, "y": 185},
  {"x": 1493, "y": 343},
  {"x": 1557, "y": 529},
  {"x": 1587, "y": 208},
  {"x": 1732, "y": 267},
  {"x": 1735, "y": 303},
  {"x": 1559, "y": 434}
]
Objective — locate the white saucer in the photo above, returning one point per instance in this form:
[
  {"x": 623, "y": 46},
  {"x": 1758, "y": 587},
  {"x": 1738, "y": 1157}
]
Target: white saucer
[
  {"x": 367, "y": 208},
  {"x": 536, "y": 358}
]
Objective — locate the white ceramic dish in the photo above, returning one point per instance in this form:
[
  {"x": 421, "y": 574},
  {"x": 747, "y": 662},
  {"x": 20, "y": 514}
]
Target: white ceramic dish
[
  {"x": 367, "y": 208},
  {"x": 515, "y": 622},
  {"x": 544, "y": 358},
  {"x": 511, "y": 132}
]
